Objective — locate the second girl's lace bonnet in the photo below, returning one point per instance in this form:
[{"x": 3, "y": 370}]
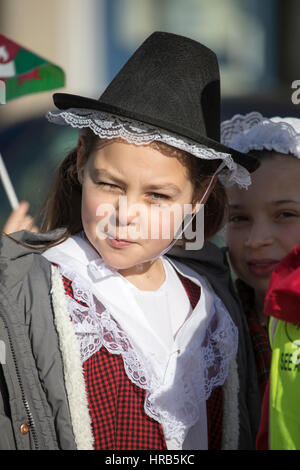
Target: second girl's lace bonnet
[{"x": 252, "y": 131}]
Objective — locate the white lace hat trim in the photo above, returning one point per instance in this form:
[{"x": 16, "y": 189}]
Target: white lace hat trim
[
  {"x": 255, "y": 132},
  {"x": 108, "y": 126}
]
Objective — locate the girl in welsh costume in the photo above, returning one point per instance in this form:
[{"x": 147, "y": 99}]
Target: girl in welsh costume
[{"x": 122, "y": 332}]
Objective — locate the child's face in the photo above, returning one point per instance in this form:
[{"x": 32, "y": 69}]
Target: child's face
[
  {"x": 149, "y": 183},
  {"x": 264, "y": 221}
]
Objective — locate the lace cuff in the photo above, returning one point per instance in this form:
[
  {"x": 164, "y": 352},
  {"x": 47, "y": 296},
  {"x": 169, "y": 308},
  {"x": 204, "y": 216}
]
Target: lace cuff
[{"x": 108, "y": 126}]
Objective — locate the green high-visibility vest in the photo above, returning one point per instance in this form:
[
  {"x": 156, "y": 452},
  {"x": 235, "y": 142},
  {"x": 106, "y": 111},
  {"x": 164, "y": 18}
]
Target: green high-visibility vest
[{"x": 284, "y": 407}]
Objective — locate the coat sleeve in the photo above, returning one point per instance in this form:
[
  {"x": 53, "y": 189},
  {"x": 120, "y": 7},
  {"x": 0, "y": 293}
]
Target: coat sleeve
[
  {"x": 7, "y": 440},
  {"x": 211, "y": 262}
]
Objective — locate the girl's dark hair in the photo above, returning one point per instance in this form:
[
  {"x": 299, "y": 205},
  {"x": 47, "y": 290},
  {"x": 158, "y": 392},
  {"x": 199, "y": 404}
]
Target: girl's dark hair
[{"x": 62, "y": 207}]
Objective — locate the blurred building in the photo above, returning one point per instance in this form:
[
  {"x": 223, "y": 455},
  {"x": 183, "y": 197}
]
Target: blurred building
[{"x": 256, "y": 43}]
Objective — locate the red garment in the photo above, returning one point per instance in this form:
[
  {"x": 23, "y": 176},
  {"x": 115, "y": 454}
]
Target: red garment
[
  {"x": 281, "y": 301},
  {"x": 258, "y": 333},
  {"x": 262, "y": 351},
  {"x": 116, "y": 404},
  {"x": 262, "y": 439},
  {"x": 117, "y": 407},
  {"x": 282, "y": 298}
]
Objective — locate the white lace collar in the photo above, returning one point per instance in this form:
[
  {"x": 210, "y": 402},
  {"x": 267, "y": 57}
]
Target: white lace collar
[
  {"x": 109, "y": 126},
  {"x": 176, "y": 387},
  {"x": 255, "y": 132}
]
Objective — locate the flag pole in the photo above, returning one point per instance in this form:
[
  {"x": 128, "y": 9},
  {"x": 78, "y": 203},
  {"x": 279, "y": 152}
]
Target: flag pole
[
  {"x": 8, "y": 185},
  {"x": 4, "y": 177}
]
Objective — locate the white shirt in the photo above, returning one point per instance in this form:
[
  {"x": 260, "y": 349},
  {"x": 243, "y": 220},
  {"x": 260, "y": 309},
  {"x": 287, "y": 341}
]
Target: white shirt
[{"x": 166, "y": 308}]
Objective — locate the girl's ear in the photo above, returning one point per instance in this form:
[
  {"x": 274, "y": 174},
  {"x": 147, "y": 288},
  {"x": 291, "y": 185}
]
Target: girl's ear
[{"x": 80, "y": 158}]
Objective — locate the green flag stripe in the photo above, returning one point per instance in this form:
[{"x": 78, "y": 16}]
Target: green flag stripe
[
  {"x": 51, "y": 77},
  {"x": 26, "y": 61}
]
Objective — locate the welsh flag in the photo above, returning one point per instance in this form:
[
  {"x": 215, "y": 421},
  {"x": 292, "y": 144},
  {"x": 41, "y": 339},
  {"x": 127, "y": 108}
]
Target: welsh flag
[{"x": 23, "y": 72}]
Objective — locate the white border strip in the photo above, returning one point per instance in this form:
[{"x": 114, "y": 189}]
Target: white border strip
[{"x": 73, "y": 371}]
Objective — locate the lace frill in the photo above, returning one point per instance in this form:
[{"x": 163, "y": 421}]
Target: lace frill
[
  {"x": 180, "y": 407},
  {"x": 255, "y": 132},
  {"x": 95, "y": 327},
  {"x": 108, "y": 126},
  {"x": 195, "y": 371}
]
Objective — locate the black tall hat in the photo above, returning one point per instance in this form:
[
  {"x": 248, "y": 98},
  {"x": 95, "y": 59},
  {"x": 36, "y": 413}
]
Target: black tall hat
[{"x": 171, "y": 82}]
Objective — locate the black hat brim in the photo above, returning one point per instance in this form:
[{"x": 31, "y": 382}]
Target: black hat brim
[{"x": 64, "y": 101}]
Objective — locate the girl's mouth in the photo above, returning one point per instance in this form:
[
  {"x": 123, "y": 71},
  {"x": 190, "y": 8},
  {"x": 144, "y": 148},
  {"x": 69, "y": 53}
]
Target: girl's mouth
[
  {"x": 118, "y": 243},
  {"x": 263, "y": 267}
]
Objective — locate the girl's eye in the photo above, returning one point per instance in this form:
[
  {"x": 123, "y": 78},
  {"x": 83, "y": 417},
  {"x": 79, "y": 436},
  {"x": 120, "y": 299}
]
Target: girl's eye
[
  {"x": 238, "y": 219},
  {"x": 286, "y": 214},
  {"x": 108, "y": 186},
  {"x": 158, "y": 196},
  {"x": 114, "y": 187}
]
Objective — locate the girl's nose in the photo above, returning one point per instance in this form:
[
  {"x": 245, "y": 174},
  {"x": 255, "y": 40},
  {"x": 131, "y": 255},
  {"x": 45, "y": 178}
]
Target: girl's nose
[
  {"x": 259, "y": 235},
  {"x": 127, "y": 211}
]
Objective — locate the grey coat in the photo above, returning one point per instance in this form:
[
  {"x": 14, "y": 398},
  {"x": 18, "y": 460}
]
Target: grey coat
[{"x": 35, "y": 389}]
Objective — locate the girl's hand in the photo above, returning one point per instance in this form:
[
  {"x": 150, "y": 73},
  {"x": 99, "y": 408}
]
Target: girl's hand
[{"x": 19, "y": 220}]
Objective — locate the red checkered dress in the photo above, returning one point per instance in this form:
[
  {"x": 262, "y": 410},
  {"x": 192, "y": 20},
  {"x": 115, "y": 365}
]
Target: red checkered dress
[{"x": 116, "y": 404}]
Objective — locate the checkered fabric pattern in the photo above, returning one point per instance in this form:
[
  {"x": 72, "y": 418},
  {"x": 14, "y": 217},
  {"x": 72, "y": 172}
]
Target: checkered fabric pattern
[{"x": 116, "y": 405}]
